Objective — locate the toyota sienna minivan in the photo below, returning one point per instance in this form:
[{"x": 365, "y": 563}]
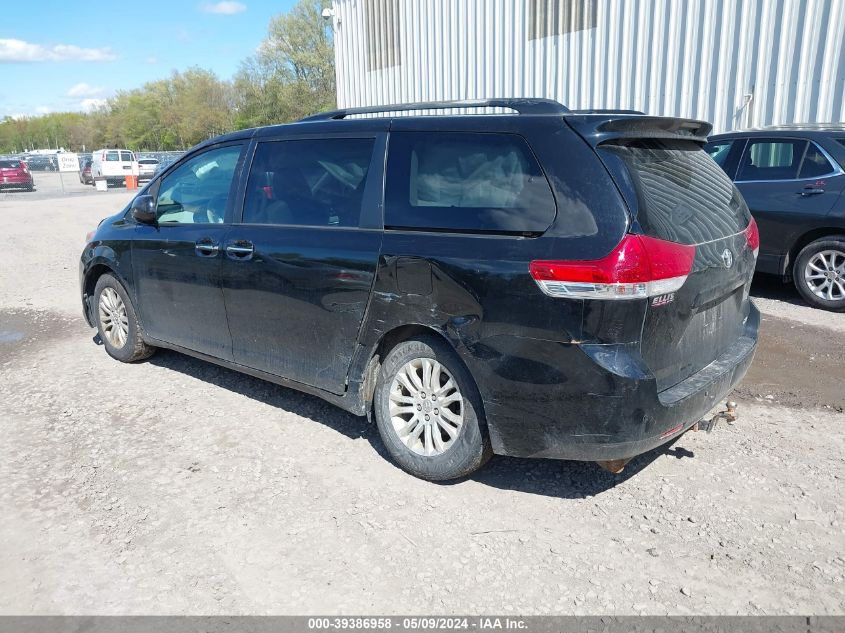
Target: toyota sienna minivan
[{"x": 541, "y": 283}]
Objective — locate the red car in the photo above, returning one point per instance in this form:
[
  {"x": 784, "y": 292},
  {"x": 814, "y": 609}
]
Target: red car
[{"x": 14, "y": 174}]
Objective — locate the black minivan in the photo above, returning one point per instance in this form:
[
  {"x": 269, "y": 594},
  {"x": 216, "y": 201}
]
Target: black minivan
[{"x": 540, "y": 283}]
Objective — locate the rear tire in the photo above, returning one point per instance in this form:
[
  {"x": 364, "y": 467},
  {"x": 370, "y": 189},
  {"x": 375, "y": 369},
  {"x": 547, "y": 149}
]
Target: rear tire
[
  {"x": 819, "y": 273},
  {"x": 429, "y": 413},
  {"x": 117, "y": 322}
]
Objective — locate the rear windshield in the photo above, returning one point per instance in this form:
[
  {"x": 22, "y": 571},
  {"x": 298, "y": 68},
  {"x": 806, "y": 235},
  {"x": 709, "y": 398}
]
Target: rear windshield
[
  {"x": 682, "y": 194},
  {"x": 148, "y": 161},
  {"x": 126, "y": 156},
  {"x": 14, "y": 164},
  {"x": 112, "y": 157}
]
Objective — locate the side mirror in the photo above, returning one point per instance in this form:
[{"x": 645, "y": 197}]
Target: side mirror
[{"x": 144, "y": 209}]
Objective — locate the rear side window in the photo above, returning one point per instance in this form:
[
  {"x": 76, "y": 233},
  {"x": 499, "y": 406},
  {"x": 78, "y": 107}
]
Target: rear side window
[
  {"x": 112, "y": 157},
  {"x": 466, "y": 182},
  {"x": 315, "y": 182},
  {"x": 815, "y": 163},
  {"x": 682, "y": 195},
  {"x": 769, "y": 159}
]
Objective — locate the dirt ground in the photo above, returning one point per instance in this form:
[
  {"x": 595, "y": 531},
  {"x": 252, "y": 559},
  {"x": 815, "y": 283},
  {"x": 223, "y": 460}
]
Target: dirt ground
[{"x": 176, "y": 487}]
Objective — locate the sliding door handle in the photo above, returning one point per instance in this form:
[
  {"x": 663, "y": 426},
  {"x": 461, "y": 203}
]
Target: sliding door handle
[{"x": 240, "y": 250}]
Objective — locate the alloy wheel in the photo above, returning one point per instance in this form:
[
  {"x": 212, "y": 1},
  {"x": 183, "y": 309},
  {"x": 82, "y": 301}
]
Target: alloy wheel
[
  {"x": 426, "y": 407},
  {"x": 113, "y": 318},
  {"x": 824, "y": 275}
]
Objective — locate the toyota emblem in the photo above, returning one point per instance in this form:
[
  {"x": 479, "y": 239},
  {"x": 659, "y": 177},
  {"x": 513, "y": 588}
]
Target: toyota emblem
[{"x": 727, "y": 258}]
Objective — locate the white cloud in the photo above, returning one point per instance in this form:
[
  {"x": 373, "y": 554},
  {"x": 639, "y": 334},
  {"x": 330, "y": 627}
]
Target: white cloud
[
  {"x": 42, "y": 110},
  {"x": 89, "y": 105},
  {"x": 152, "y": 59},
  {"x": 20, "y": 51},
  {"x": 224, "y": 8},
  {"x": 85, "y": 90}
]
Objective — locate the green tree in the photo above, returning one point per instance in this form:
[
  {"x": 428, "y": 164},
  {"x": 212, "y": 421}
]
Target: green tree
[{"x": 292, "y": 74}]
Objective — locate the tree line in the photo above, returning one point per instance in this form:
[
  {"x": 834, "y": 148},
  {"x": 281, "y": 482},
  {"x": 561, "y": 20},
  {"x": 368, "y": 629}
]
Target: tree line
[{"x": 290, "y": 76}]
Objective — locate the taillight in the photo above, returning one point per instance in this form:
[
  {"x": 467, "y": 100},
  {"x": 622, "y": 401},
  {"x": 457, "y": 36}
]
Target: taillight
[
  {"x": 752, "y": 236},
  {"x": 25, "y": 168},
  {"x": 639, "y": 267}
]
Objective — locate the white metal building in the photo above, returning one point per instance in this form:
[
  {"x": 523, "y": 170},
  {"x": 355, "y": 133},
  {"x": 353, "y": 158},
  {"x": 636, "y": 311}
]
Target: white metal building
[{"x": 736, "y": 63}]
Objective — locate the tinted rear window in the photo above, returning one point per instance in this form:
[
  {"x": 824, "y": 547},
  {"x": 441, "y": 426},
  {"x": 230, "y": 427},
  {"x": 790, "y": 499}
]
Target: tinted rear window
[
  {"x": 126, "y": 157},
  {"x": 10, "y": 164},
  {"x": 682, "y": 194},
  {"x": 466, "y": 182},
  {"x": 112, "y": 157},
  {"x": 771, "y": 159},
  {"x": 814, "y": 164}
]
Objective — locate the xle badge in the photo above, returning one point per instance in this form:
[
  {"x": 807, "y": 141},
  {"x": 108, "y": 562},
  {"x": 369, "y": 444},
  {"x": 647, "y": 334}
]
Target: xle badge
[{"x": 662, "y": 300}]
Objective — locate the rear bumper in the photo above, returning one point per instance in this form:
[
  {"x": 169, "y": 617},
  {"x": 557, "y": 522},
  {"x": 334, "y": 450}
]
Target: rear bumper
[
  {"x": 16, "y": 181},
  {"x": 590, "y": 412}
]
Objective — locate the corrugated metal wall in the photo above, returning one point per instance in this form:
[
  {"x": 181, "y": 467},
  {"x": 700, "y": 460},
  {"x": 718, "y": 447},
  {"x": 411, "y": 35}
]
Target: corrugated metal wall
[{"x": 694, "y": 58}]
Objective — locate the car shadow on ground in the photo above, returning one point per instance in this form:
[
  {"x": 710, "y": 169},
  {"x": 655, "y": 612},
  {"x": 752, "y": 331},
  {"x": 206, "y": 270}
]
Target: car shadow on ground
[
  {"x": 547, "y": 477},
  {"x": 566, "y": 479},
  {"x": 773, "y": 287}
]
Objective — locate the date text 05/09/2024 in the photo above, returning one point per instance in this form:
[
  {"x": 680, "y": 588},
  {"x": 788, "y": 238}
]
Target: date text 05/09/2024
[{"x": 480, "y": 623}]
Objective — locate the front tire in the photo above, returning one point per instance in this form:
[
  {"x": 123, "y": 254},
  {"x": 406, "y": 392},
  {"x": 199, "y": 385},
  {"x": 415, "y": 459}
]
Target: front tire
[
  {"x": 117, "y": 322},
  {"x": 819, "y": 273},
  {"x": 429, "y": 413}
]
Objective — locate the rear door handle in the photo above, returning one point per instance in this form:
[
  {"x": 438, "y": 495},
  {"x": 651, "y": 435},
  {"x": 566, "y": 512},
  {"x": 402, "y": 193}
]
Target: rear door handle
[
  {"x": 811, "y": 191},
  {"x": 240, "y": 250},
  {"x": 206, "y": 247}
]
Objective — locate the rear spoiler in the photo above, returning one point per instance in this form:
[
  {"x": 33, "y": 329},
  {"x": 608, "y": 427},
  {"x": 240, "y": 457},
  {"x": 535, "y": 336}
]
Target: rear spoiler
[{"x": 603, "y": 128}]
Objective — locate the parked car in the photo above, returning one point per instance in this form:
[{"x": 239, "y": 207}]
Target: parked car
[
  {"x": 793, "y": 180},
  {"x": 41, "y": 162},
  {"x": 551, "y": 284},
  {"x": 147, "y": 168},
  {"x": 85, "y": 172},
  {"x": 113, "y": 165},
  {"x": 15, "y": 174}
]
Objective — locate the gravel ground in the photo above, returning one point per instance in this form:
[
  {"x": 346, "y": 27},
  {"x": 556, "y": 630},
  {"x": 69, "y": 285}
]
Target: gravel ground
[{"x": 176, "y": 487}]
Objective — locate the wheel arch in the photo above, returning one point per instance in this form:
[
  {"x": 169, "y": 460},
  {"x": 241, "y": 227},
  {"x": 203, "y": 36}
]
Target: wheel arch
[
  {"x": 808, "y": 238},
  {"x": 96, "y": 270},
  {"x": 386, "y": 342}
]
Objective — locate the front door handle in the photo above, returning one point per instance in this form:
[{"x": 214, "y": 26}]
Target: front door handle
[
  {"x": 206, "y": 247},
  {"x": 810, "y": 190},
  {"x": 240, "y": 250}
]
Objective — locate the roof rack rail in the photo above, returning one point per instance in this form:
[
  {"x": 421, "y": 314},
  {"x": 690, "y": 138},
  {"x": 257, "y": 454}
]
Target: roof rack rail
[
  {"x": 605, "y": 111},
  {"x": 522, "y": 106}
]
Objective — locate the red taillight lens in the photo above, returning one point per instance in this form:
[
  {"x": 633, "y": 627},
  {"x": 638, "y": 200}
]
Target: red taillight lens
[
  {"x": 23, "y": 165},
  {"x": 639, "y": 267},
  {"x": 752, "y": 236}
]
